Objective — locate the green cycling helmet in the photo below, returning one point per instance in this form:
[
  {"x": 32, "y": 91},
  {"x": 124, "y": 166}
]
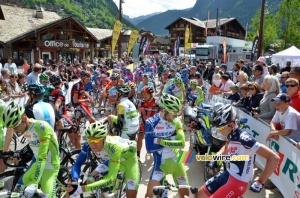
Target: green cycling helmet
[
  {"x": 178, "y": 80},
  {"x": 194, "y": 82},
  {"x": 96, "y": 130},
  {"x": 44, "y": 77},
  {"x": 12, "y": 115},
  {"x": 170, "y": 103},
  {"x": 123, "y": 89},
  {"x": 2, "y": 107}
]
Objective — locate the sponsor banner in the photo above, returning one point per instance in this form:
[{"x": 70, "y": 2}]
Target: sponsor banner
[
  {"x": 287, "y": 175},
  {"x": 186, "y": 39},
  {"x": 133, "y": 37},
  {"x": 143, "y": 42},
  {"x": 254, "y": 46},
  {"x": 115, "y": 35}
]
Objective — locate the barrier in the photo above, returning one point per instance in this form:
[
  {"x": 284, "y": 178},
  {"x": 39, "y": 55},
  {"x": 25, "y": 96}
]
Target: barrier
[{"x": 287, "y": 175}]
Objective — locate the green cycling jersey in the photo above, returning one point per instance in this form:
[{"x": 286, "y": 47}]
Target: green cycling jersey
[{"x": 48, "y": 90}]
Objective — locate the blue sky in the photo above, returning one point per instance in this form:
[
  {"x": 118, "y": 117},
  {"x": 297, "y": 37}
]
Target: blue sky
[{"x": 135, "y": 8}]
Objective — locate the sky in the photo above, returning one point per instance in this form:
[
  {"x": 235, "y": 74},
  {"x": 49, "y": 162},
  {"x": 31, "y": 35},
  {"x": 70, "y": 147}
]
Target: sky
[{"x": 135, "y": 8}]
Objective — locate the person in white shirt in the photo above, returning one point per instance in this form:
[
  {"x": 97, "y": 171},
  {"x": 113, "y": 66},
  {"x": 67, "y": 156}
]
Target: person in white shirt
[{"x": 11, "y": 66}]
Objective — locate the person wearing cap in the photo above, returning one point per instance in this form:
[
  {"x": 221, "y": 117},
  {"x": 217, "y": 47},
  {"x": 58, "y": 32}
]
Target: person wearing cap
[
  {"x": 258, "y": 75},
  {"x": 235, "y": 96},
  {"x": 144, "y": 83},
  {"x": 262, "y": 62}
]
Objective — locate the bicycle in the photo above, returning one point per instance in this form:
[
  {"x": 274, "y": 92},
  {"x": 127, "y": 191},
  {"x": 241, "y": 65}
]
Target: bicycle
[{"x": 163, "y": 190}]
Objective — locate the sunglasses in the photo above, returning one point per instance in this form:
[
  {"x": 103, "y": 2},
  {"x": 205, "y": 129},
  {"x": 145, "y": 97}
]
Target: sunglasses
[
  {"x": 96, "y": 141},
  {"x": 291, "y": 86},
  {"x": 252, "y": 89},
  {"x": 222, "y": 127}
]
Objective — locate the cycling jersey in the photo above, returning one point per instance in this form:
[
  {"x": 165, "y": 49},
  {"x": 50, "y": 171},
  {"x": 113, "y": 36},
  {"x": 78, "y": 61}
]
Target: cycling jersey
[
  {"x": 121, "y": 154},
  {"x": 147, "y": 110},
  {"x": 196, "y": 94},
  {"x": 40, "y": 110},
  {"x": 79, "y": 89},
  {"x": 166, "y": 152},
  {"x": 149, "y": 71},
  {"x": 48, "y": 90},
  {"x": 110, "y": 85},
  {"x": 56, "y": 94},
  {"x": 174, "y": 90},
  {"x": 127, "y": 119},
  {"x": 196, "y": 76},
  {"x": 103, "y": 82},
  {"x": 45, "y": 165}
]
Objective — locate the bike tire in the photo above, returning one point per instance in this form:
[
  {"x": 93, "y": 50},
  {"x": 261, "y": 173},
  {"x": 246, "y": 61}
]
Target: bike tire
[
  {"x": 122, "y": 189},
  {"x": 69, "y": 158},
  {"x": 63, "y": 177},
  {"x": 7, "y": 176},
  {"x": 87, "y": 169}
]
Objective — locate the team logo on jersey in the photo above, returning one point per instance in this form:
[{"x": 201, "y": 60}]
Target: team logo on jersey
[
  {"x": 231, "y": 150},
  {"x": 245, "y": 137},
  {"x": 112, "y": 150},
  {"x": 42, "y": 127},
  {"x": 159, "y": 128}
]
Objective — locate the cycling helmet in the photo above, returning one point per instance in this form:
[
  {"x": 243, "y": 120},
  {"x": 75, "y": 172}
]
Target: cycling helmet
[
  {"x": 145, "y": 76},
  {"x": 170, "y": 103},
  {"x": 115, "y": 76},
  {"x": 36, "y": 88},
  {"x": 194, "y": 82},
  {"x": 43, "y": 77},
  {"x": 96, "y": 130},
  {"x": 223, "y": 115},
  {"x": 178, "y": 80},
  {"x": 55, "y": 80},
  {"x": 123, "y": 89},
  {"x": 85, "y": 74},
  {"x": 96, "y": 73},
  {"x": 131, "y": 85},
  {"x": 12, "y": 115},
  {"x": 148, "y": 89},
  {"x": 177, "y": 75},
  {"x": 193, "y": 68}
]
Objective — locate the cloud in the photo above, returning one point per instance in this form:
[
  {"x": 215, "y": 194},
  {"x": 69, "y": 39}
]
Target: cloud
[{"x": 135, "y": 8}]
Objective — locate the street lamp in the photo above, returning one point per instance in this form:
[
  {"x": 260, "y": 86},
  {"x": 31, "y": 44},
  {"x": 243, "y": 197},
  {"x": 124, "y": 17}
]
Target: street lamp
[
  {"x": 261, "y": 28},
  {"x": 120, "y": 36}
]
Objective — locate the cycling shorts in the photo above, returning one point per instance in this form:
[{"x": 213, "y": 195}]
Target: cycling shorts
[
  {"x": 129, "y": 167},
  {"x": 169, "y": 166},
  {"x": 224, "y": 185},
  {"x": 85, "y": 110}
]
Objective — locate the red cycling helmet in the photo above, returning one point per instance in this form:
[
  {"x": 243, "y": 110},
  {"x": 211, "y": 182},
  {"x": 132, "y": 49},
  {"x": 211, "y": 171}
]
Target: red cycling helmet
[{"x": 148, "y": 89}]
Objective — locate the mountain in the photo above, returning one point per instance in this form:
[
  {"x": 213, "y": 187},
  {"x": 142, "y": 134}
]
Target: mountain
[
  {"x": 242, "y": 10},
  {"x": 137, "y": 20},
  {"x": 91, "y": 13}
]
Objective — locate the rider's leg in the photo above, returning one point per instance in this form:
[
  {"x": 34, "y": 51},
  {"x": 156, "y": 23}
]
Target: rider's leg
[
  {"x": 141, "y": 136},
  {"x": 48, "y": 183}
]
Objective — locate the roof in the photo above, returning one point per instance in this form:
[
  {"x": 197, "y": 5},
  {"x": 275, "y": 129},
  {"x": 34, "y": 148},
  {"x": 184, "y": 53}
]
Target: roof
[
  {"x": 19, "y": 21},
  {"x": 101, "y": 34},
  {"x": 212, "y": 22},
  {"x": 163, "y": 40},
  {"x": 192, "y": 20}
]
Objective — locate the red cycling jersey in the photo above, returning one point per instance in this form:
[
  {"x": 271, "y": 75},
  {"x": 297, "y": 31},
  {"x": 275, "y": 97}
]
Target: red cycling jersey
[
  {"x": 78, "y": 88},
  {"x": 148, "y": 109}
]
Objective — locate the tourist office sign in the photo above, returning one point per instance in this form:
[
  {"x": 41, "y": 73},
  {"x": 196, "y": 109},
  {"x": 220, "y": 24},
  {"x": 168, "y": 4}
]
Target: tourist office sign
[{"x": 64, "y": 44}]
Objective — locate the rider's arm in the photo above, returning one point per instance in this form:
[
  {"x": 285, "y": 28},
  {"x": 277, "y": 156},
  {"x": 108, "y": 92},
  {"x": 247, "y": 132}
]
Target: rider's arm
[
  {"x": 180, "y": 138},
  {"x": 200, "y": 99},
  {"x": 8, "y": 138},
  {"x": 149, "y": 138},
  {"x": 57, "y": 104},
  {"x": 76, "y": 168},
  {"x": 114, "y": 151},
  {"x": 118, "y": 121}
]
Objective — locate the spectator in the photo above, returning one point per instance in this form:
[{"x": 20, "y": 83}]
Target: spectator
[
  {"x": 242, "y": 79},
  {"x": 258, "y": 75},
  {"x": 283, "y": 77},
  {"x": 225, "y": 71},
  {"x": 295, "y": 73},
  {"x": 63, "y": 74},
  {"x": 54, "y": 69},
  {"x": 5, "y": 74},
  {"x": 245, "y": 99},
  {"x": 207, "y": 75},
  {"x": 217, "y": 71},
  {"x": 22, "y": 83},
  {"x": 292, "y": 89},
  {"x": 30, "y": 69},
  {"x": 262, "y": 62},
  {"x": 273, "y": 71},
  {"x": 4, "y": 93},
  {"x": 235, "y": 72},
  {"x": 255, "y": 96},
  {"x": 286, "y": 121},
  {"x": 25, "y": 66},
  {"x": 267, "y": 109},
  {"x": 287, "y": 67},
  {"x": 217, "y": 82},
  {"x": 34, "y": 76},
  {"x": 47, "y": 68},
  {"x": 14, "y": 89},
  {"x": 11, "y": 66},
  {"x": 243, "y": 67},
  {"x": 235, "y": 96},
  {"x": 225, "y": 87}
]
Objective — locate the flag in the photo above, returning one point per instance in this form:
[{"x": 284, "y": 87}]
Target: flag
[
  {"x": 176, "y": 46},
  {"x": 115, "y": 35},
  {"x": 133, "y": 36},
  {"x": 142, "y": 44},
  {"x": 246, "y": 31},
  {"x": 206, "y": 29},
  {"x": 224, "y": 51},
  {"x": 147, "y": 46},
  {"x": 186, "y": 38},
  {"x": 186, "y": 157},
  {"x": 253, "y": 50}
]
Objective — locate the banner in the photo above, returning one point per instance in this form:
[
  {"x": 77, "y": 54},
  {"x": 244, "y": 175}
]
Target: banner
[
  {"x": 143, "y": 42},
  {"x": 186, "y": 38},
  {"x": 146, "y": 46},
  {"x": 287, "y": 174},
  {"x": 115, "y": 36},
  {"x": 253, "y": 50},
  {"x": 133, "y": 37},
  {"x": 224, "y": 51},
  {"x": 176, "y": 46}
]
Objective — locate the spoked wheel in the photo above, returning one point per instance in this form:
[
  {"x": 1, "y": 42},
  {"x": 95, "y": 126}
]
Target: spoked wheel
[{"x": 62, "y": 178}]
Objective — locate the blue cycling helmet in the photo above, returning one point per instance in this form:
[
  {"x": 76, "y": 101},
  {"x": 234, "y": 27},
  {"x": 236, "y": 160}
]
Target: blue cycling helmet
[
  {"x": 36, "y": 88},
  {"x": 128, "y": 69},
  {"x": 123, "y": 68},
  {"x": 184, "y": 71},
  {"x": 96, "y": 73}
]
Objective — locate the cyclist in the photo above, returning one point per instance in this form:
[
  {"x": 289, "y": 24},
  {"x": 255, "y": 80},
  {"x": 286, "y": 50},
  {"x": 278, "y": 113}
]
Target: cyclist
[
  {"x": 37, "y": 109},
  {"x": 151, "y": 73},
  {"x": 144, "y": 83},
  {"x": 127, "y": 119},
  {"x": 164, "y": 137},
  {"x": 120, "y": 155},
  {"x": 43, "y": 142},
  {"x": 194, "y": 92},
  {"x": 176, "y": 88},
  {"x": 132, "y": 95},
  {"x": 44, "y": 80},
  {"x": 80, "y": 96},
  {"x": 147, "y": 108},
  {"x": 57, "y": 100},
  {"x": 234, "y": 181}
]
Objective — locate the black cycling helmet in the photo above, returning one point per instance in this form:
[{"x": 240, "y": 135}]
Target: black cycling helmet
[
  {"x": 115, "y": 76},
  {"x": 85, "y": 74},
  {"x": 55, "y": 80},
  {"x": 36, "y": 88},
  {"x": 123, "y": 89},
  {"x": 223, "y": 116}
]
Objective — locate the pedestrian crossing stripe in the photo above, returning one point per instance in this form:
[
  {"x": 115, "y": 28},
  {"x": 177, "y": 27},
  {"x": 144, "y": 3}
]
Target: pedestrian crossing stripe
[{"x": 186, "y": 157}]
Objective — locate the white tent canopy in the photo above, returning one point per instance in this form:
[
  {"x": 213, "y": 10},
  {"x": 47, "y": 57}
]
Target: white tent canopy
[{"x": 291, "y": 54}]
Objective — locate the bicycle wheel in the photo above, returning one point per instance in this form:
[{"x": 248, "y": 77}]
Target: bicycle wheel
[
  {"x": 8, "y": 177},
  {"x": 63, "y": 177},
  {"x": 70, "y": 157},
  {"x": 122, "y": 189},
  {"x": 87, "y": 169}
]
